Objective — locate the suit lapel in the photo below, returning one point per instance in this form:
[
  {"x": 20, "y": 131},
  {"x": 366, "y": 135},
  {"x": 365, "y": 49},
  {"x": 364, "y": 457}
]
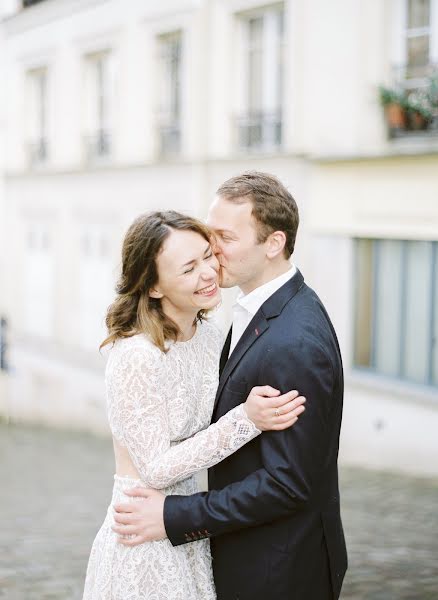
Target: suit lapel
[
  {"x": 225, "y": 352},
  {"x": 259, "y": 324},
  {"x": 255, "y": 329}
]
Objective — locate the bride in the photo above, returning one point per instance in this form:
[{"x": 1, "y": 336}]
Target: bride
[{"x": 161, "y": 379}]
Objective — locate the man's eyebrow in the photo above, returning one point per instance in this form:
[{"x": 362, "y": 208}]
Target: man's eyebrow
[{"x": 194, "y": 259}]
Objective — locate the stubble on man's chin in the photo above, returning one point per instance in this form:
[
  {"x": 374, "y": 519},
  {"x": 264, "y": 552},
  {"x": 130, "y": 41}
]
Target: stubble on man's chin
[{"x": 223, "y": 283}]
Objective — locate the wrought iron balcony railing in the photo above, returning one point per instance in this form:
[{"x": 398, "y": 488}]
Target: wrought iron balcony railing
[
  {"x": 98, "y": 145},
  {"x": 170, "y": 139},
  {"x": 38, "y": 151},
  {"x": 27, "y": 3},
  {"x": 259, "y": 131}
]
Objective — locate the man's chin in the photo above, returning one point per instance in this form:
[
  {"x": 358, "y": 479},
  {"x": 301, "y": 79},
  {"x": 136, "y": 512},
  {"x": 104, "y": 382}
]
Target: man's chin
[{"x": 225, "y": 281}]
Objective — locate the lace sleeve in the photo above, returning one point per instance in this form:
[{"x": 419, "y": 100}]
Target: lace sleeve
[{"x": 139, "y": 420}]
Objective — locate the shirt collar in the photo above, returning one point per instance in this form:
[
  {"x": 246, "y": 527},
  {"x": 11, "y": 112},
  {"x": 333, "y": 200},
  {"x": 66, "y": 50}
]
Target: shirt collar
[{"x": 252, "y": 302}]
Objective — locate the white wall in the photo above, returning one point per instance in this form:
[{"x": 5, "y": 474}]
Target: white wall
[{"x": 389, "y": 426}]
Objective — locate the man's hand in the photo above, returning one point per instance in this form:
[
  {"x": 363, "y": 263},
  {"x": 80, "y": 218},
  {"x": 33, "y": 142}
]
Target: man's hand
[
  {"x": 270, "y": 411},
  {"x": 142, "y": 521}
]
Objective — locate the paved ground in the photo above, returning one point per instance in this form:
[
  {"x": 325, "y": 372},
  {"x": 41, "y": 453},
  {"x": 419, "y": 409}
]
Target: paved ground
[{"x": 55, "y": 488}]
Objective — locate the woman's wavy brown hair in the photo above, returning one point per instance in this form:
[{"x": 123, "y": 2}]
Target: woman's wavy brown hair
[{"x": 134, "y": 311}]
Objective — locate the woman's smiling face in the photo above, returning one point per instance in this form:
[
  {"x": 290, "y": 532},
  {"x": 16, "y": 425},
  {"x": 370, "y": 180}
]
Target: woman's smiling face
[{"x": 188, "y": 273}]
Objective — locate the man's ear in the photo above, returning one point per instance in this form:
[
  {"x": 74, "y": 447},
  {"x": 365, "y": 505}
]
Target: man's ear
[
  {"x": 154, "y": 293},
  {"x": 275, "y": 244}
]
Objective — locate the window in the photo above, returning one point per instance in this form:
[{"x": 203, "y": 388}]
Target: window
[
  {"x": 37, "y": 116},
  {"x": 396, "y": 309},
  {"x": 415, "y": 72},
  {"x": 96, "y": 285},
  {"x": 170, "y": 65},
  {"x": 418, "y": 74},
  {"x": 259, "y": 126},
  {"x": 418, "y": 32},
  {"x": 99, "y": 99},
  {"x": 39, "y": 283}
]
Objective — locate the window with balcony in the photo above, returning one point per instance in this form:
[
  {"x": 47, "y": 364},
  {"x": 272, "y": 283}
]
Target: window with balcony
[
  {"x": 170, "y": 76},
  {"x": 259, "y": 124},
  {"x": 396, "y": 309},
  {"x": 412, "y": 105},
  {"x": 99, "y": 76},
  {"x": 37, "y": 117}
]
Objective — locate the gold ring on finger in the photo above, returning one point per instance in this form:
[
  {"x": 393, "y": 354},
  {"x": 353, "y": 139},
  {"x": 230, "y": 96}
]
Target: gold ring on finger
[{"x": 277, "y": 412}]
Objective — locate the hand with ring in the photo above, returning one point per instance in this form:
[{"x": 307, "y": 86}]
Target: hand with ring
[{"x": 271, "y": 411}]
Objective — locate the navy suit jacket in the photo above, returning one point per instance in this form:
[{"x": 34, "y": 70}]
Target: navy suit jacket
[{"x": 273, "y": 511}]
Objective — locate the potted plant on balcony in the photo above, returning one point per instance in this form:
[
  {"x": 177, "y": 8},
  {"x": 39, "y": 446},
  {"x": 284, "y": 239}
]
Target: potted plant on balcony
[
  {"x": 394, "y": 103},
  {"x": 419, "y": 111}
]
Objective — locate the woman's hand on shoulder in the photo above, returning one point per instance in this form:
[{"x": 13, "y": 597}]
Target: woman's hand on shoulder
[{"x": 271, "y": 411}]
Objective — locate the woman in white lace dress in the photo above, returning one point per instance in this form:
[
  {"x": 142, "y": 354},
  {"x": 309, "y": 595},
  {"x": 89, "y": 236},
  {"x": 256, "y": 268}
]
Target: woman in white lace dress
[{"x": 161, "y": 378}]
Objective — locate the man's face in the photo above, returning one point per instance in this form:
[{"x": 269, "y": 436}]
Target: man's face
[{"x": 241, "y": 257}]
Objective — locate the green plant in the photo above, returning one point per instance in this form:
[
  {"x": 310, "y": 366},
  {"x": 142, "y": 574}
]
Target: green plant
[
  {"x": 419, "y": 103},
  {"x": 432, "y": 90},
  {"x": 390, "y": 96}
]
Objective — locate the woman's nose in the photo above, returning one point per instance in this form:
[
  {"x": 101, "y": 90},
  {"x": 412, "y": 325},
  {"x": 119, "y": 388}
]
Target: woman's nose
[{"x": 210, "y": 271}]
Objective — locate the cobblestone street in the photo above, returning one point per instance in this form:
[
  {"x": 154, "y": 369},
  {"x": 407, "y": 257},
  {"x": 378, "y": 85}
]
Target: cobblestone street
[{"x": 56, "y": 487}]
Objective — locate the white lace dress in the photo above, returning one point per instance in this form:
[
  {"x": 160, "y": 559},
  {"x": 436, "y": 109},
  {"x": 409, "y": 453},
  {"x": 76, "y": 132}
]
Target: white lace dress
[{"x": 159, "y": 408}]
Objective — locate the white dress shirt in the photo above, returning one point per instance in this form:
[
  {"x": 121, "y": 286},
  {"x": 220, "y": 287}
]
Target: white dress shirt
[{"x": 247, "y": 305}]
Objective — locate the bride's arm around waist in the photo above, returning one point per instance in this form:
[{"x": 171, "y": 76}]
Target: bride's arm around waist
[{"x": 139, "y": 421}]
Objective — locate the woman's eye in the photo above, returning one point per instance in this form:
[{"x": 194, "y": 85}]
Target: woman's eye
[
  {"x": 209, "y": 256},
  {"x": 188, "y": 271}
]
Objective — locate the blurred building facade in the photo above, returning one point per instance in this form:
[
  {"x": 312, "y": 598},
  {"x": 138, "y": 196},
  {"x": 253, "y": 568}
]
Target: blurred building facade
[{"x": 111, "y": 108}]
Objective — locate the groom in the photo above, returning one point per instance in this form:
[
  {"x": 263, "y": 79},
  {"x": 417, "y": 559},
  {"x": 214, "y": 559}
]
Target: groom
[{"x": 272, "y": 511}]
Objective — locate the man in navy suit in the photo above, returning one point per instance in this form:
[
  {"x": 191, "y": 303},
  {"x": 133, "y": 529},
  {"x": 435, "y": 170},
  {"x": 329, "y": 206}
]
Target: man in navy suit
[{"x": 272, "y": 511}]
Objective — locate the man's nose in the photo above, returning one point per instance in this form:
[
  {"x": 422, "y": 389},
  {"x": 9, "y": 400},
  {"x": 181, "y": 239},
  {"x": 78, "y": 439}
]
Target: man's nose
[{"x": 216, "y": 247}]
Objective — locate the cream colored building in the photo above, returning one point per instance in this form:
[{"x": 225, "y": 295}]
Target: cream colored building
[{"x": 112, "y": 108}]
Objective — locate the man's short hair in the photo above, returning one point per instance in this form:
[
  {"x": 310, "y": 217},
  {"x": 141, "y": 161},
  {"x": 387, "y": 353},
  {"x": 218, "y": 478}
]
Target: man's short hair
[{"x": 274, "y": 208}]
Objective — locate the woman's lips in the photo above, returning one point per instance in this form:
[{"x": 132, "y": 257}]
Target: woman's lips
[{"x": 208, "y": 291}]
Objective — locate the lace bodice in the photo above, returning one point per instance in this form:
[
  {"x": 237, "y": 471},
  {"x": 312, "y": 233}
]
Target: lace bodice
[{"x": 160, "y": 407}]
